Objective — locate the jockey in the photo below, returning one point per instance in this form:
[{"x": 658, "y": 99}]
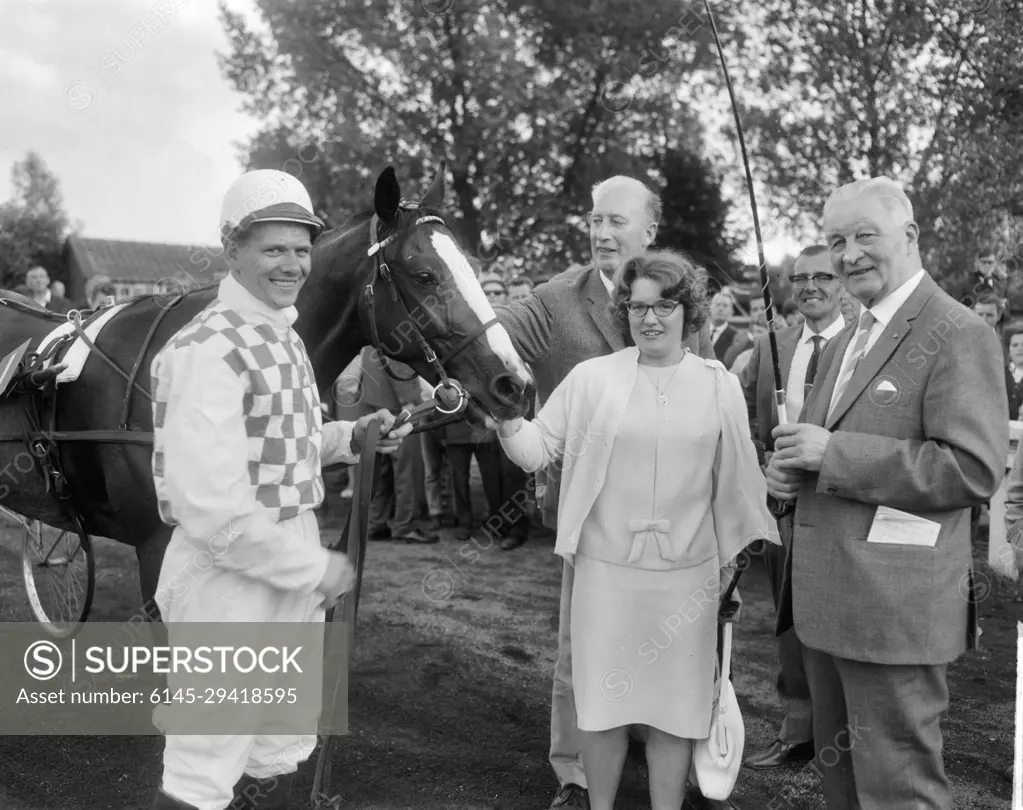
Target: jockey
[{"x": 238, "y": 447}]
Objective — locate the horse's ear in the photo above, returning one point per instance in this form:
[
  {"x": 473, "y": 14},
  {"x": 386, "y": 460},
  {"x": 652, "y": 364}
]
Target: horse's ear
[
  {"x": 387, "y": 196},
  {"x": 434, "y": 197}
]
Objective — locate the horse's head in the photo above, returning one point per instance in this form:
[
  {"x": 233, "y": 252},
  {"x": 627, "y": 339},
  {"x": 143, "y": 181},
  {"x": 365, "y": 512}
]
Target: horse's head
[{"x": 419, "y": 301}]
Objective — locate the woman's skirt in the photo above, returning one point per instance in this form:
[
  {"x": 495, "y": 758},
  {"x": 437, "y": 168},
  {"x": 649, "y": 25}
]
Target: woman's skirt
[{"x": 643, "y": 646}]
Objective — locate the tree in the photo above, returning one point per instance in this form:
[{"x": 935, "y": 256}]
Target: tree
[
  {"x": 912, "y": 89},
  {"x": 694, "y": 213},
  {"x": 33, "y": 224},
  {"x": 529, "y": 104}
]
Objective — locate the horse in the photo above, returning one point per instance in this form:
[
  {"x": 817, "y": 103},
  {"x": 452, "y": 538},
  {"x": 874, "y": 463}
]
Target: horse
[{"x": 81, "y": 453}]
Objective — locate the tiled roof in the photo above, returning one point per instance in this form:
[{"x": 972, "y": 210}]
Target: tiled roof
[{"x": 146, "y": 261}]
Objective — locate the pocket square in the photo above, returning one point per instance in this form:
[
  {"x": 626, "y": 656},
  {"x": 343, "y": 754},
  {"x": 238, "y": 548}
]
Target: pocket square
[{"x": 886, "y": 386}]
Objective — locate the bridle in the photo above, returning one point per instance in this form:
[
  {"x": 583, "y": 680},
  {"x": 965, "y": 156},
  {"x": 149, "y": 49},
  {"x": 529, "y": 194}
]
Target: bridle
[{"x": 449, "y": 388}]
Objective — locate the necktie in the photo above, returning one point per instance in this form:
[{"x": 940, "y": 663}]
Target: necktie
[
  {"x": 811, "y": 370},
  {"x": 859, "y": 349}
]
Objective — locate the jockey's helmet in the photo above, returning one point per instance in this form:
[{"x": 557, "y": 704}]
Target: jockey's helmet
[{"x": 267, "y": 195}]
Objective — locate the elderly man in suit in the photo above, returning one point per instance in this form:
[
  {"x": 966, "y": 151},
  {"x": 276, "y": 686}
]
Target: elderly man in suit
[
  {"x": 567, "y": 320},
  {"x": 906, "y": 428},
  {"x": 817, "y": 291}
]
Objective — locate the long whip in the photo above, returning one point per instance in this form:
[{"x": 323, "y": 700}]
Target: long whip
[{"x": 765, "y": 288}]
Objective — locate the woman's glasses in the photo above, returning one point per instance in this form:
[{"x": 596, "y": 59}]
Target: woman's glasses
[{"x": 662, "y": 309}]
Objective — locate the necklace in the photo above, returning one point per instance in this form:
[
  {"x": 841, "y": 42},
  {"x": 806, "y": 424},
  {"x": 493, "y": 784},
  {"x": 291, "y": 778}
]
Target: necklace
[{"x": 662, "y": 398}]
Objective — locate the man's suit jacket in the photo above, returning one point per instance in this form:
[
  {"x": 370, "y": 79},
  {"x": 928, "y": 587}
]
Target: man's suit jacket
[
  {"x": 379, "y": 390},
  {"x": 59, "y": 304},
  {"x": 741, "y": 342},
  {"x": 757, "y": 380},
  {"x": 565, "y": 321},
  {"x": 724, "y": 342},
  {"x": 932, "y": 441}
]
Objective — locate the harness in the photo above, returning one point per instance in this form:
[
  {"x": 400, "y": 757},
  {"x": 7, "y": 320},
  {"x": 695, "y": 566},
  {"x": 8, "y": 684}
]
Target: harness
[{"x": 449, "y": 396}]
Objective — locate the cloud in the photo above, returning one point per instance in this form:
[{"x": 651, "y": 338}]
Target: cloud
[{"x": 126, "y": 104}]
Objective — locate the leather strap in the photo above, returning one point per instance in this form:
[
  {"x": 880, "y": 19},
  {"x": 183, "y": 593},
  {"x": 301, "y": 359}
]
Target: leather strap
[{"x": 353, "y": 541}]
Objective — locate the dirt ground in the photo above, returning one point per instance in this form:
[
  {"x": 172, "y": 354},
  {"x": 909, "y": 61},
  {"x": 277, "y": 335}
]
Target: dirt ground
[{"x": 450, "y": 694}]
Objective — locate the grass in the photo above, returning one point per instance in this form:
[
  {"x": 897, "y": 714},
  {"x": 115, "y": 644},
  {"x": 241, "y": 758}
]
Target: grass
[{"x": 450, "y": 693}]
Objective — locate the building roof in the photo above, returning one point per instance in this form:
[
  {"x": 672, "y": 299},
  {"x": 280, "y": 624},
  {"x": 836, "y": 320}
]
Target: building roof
[{"x": 146, "y": 261}]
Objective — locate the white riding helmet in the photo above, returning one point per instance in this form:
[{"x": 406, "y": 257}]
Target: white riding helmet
[{"x": 267, "y": 195}]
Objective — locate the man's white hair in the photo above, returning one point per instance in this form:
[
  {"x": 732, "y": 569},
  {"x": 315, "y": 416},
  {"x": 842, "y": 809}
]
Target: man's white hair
[
  {"x": 889, "y": 192},
  {"x": 653, "y": 201}
]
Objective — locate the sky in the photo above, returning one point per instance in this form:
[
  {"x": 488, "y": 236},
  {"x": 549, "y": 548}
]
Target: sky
[
  {"x": 126, "y": 104},
  {"x": 124, "y": 101}
]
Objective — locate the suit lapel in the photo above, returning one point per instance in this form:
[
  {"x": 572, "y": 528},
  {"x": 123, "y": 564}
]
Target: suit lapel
[
  {"x": 885, "y": 345},
  {"x": 597, "y": 305}
]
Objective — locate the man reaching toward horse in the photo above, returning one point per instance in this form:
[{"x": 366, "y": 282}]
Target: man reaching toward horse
[{"x": 238, "y": 449}]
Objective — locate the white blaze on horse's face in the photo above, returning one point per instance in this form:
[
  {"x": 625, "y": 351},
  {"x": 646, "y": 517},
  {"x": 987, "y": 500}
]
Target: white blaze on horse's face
[{"x": 469, "y": 286}]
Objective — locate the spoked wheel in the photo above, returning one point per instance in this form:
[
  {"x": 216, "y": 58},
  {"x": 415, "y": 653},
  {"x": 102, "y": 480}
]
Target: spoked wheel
[{"x": 60, "y": 577}]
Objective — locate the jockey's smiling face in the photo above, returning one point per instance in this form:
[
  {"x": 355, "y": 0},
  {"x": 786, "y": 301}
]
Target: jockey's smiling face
[{"x": 272, "y": 260}]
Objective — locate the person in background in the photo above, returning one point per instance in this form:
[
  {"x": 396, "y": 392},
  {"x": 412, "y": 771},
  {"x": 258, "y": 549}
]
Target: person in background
[
  {"x": 464, "y": 442},
  {"x": 504, "y": 483},
  {"x": 520, "y": 288},
  {"x": 988, "y": 276},
  {"x": 894, "y": 446},
  {"x": 989, "y": 307},
  {"x": 436, "y": 478},
  {"x": 38, "y": 282},
  {"x": 744, "y": 340},
  {"x": 756, "y": 330},
  {"x": 57, "y": 288},
  {"x": 494, "y": 289},
  {"x": 722, "y": 333},
  {"x": 790, "y": 312},
  {"x": 566, "y": 321},
  {"x": 661, "y": 490},
  {"x": 394, "y": 500},
  {"x": 817, "y": 290},
  {"x": 1014, "y": 373}
]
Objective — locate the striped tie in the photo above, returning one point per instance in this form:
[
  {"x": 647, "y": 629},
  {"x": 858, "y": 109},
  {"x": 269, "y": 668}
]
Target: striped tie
[
  {"x": 811, "y": 369},
  {"x": 867, "y": 321}
]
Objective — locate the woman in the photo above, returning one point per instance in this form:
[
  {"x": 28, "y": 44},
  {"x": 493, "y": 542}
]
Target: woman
[{"x": 660, "y": 490}]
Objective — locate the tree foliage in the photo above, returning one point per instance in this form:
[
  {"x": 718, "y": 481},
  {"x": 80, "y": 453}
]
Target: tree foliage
[
  {"x": 918, "y": 90},
  {"x": 529, "y": 105},
  {"x": 33, "y": 223},
  {"x": 694, "y": 213}
]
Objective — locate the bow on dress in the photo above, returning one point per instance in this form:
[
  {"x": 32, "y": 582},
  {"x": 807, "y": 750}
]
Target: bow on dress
[{"x": 645, "y": 530}]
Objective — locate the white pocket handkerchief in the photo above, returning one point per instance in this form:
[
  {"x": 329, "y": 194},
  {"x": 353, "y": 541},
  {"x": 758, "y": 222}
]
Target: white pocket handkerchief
[
  {"x": 886, "y": 386},
  {"x": 902, "y": 529}
]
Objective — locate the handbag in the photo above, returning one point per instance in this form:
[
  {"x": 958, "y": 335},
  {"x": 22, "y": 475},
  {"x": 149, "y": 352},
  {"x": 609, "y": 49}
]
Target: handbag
[{"x": 717, "y": 759}]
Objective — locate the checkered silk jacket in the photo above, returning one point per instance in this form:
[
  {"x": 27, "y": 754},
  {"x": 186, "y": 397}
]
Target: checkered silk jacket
[{"x": 263, "y": 375}]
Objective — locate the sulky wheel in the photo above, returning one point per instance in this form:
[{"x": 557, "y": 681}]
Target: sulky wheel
[{"x": 60, "y": 577}]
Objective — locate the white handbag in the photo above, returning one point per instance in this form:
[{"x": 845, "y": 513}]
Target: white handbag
[{"x": 717, "y": 759}]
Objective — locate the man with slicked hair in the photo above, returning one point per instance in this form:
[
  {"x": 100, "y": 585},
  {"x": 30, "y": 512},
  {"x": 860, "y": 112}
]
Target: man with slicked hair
[{"x": 568, "y": 320}]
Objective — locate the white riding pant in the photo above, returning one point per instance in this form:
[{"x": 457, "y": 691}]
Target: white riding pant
[{"x": 202, "y": 770}]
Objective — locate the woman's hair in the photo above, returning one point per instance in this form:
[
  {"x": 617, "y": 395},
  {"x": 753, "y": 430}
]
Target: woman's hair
[{"x": 681, "y": 280}]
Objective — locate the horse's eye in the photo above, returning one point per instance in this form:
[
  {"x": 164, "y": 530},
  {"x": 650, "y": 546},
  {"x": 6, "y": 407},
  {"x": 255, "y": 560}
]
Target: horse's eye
[{"x": 424, "y": 278}]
